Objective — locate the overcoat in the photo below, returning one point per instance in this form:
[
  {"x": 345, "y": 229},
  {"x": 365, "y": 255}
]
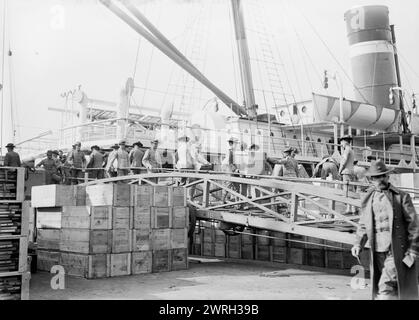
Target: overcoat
[{"x": 404, "y": 228}]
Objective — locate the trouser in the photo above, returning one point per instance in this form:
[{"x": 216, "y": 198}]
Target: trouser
[
  {"x": 387, "y": 285},
  {"x": 77, "y": 176},
  {"x": 122, "y": 172},
  {"x": 96, "y": 174},
  {"x": 327, "y": 169}
]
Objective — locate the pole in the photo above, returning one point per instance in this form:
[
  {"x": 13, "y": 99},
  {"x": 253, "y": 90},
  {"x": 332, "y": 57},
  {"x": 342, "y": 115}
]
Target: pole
[{"x": 2, "y": 78}]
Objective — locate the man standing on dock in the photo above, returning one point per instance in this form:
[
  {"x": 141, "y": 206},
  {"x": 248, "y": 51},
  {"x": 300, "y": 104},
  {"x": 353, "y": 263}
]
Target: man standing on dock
[
  {"x": 152, "y": 159},
  {"x": 122, "y": 157},
  {"x": 96, "y": 163},
  {"x": 390, "y": 223},
  {"x": 11, "y": 159},
  {"x": 77, "y": 161},
  {"x": 51, "y": 169},
  {"x": 136, "y": 158},
  {"x": 346, "y": 168}
]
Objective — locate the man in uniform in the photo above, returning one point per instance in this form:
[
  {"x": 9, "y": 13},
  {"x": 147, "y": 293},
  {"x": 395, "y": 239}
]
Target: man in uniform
[
  {"x": 51, "y": 169},
  {"x": 136, "y": 158},
  {"x": 11, "y": 159},
  {"x": 229, "y": 165},
  {"x": 346, "y": 166},
  {"x": 78, "y": 162},
  {"x": 95, "y": 163},
  {"x": 109, "y": 168},
  {"x": 152, "y": 159},
  {"x": 289, "y": 166},
  {"x": 327, "y": 167},
  {"x": 390, "y": 222},
  {"x": 122, "y": 157}
]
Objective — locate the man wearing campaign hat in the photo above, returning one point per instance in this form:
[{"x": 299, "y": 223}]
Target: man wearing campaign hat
[
  {"x": 12, "y": 158},
  {"x": 346, "y": 167},
  {"x": 136, "y": 158},
  {"x": 152, "y": 159},
  {"x": 390, "y": 223},
  {"x": 288, "y": 166},
  {"x": 109, "y": 168},
  {"x": 95, "y": 163},
  {"x": 51, "y": 169},
  {"x": 122, "y": 157},
  {"x": 78, "y": 162}
]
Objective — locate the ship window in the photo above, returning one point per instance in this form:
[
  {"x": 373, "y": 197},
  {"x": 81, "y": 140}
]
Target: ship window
[
  {"x": 307, "y": 138},
  {"x": 319, "y": 140},
  {"x": 304, "y": 109},
  {"x": 294, "y": 109},
  {"x": 294, "y": 137}
]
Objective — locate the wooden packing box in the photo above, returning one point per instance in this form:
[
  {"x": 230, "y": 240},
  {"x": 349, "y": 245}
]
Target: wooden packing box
[
  {"x": 88, "y": 266},
  {"x": 296, "y": 256},
  {"x": 48, "y": 218},
  {"x": 263, "y": 252},
  {"x": 122, "y": 217},
  {"x": 141, "y": 240},
  {"x": 109, "y": 195},
  {"x": 220, "y": 236},
  {"x": 234, "y": 250},
  {"x": 179, "y": 238},
  {"x": 15, "y": 286},
  {"x": 334, "y": 259},
  {"x": 121, "y": 241},
  {"x": 196, "y": 249},
  {"x": 161, "y": 196},
  {"x": 160, "y": 239},
  {"x": 313, "y": 246},
  {"x": 120, "y": 264},
  {"x": 141, "y": 262},
  {"x": 161, "y": 218},
  {"x": 248, "y": 252},
  {"x": 247, "y": 238},
  {"x": 279, "y": 239},
  {"x": 142, "y": 218},
  {"x": 208, "y": 235},
  {"x": 208, "y": 249},
  {"x": 46, "y": 259},
  {"x": 279, "y": 254},
  {"x": 161, "y": 260},
  {"x": 179, "y": 259},
  {"x": 80, "y": 195},
  {"x": 85, "y": 241},
  {"x": 177, "y": 197},
  {"x": 220, "y": 250},
  {"x": 13, "y": 254},
  {"x": 180, "y": 217},
  {"x": 335, "y": 246},
  {"x": 86, "y": 217},
  {"x": 197, "y": 238},
  {"x": 53, "y": 195},
  {"x": 263, "y": 241},
  {"x": 316, "y": 258},
  {"x": 235, "y": 239},
  {"x": 293, "y": 244},
  {"x": 143, "y": 195},
  {"x": 48, "y": 239}
]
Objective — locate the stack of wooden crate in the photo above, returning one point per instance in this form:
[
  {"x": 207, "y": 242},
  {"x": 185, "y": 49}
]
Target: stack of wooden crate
[
  {"x": 119, "y": 229},
  {"x": 14, "y": 275}
]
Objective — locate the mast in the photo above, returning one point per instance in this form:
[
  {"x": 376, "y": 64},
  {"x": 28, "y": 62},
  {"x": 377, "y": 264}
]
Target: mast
[
  {"x": 2, "y": 78},
  {"x": 244, "y": 58}
]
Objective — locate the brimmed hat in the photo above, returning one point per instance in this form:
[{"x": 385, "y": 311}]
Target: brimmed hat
[
  {"x": 78, "y": 143},
  {"x": 183, "y": 138},
  {"x": 288, "y": 150},
  {"x": 378, "y": 168},
  {"x": 49, "y": 152},
  {"x": 295, "y": 150},
  {"x": 346, "y": 138},
  {"x": 138, "y": 143},
  {"x": 122, "y": 142},
  {"x": 115, "y": 146},
  {"x": 94, "y": 147},
  {"x": 155, "y": 141},
  {"x": 254, "y": 146},
  {"x": 10, "y": 145},
  {"x": 55, "y": 152},
  {"x": 234, "y": 140}
]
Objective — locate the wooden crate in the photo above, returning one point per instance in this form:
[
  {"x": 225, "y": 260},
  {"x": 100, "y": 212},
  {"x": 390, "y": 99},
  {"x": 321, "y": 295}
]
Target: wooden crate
[
  {"x": 122, "y": 218},
  {"x": 46, "y": 259},
  {"x": 263, "y": 241},
  {"x": 161, "y": 260},
  {"x": 234, "y": 247},
  {"x": 109, "y": 195},
  {"x": 14, "y": 286},
  {"x": 80, "y": 195},
  {"x": 120, "y": 264},
  {"x": 88, "y": 266},
  {"x": 86, "y": 217},
  {"x": 208, "y": 235},
  {"x": 263, "y": 252},
  {"x": 177, "y": 197},
  {"x": 196, "y": 249},
  {"x": 48, "y": 239},
  {"x": 334, "y": 259},
  {"x": 279, "y": 254},
  {"x": 197, "y": 238},
  {"x": 53, "y": 195},
  {"x": 179, "y": 259},
  {"x": 314, "y": 241},
  {"x": 301, "y": 241},
  {"x": 208, "y": 249},
  {"x": 142, "y": 218},
  {"x": 141, "y": 262},
  {"x": 85, "y": 241},
  {"x": 161, "y": 218},
  {"x": 121, "y": 241},
  {"x": 316, "y": 257},
  {"x": 161, "y": 196},
  {"x": 141, "y": 240},
  {"x": 296, "y": 256},
  {"x": 220, "y": 250},
  {"x": 279, "y": 239},
  {"x": 143, "y": 195},
  {"x": 179, "y": 238},
  {"x": 180, "y": 217},
  {"x": 160, "y": 239},
  {"x": 248, "y": 239},
  {"x": 248, "y": 251},
  {"x": 13, "y": 254},
  {"x": 48, "y": 218},
  {"x": 220, "y": 237}
]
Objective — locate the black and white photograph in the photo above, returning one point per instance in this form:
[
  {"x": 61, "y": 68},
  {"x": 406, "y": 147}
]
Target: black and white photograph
[{"x": 214, "y": 156}]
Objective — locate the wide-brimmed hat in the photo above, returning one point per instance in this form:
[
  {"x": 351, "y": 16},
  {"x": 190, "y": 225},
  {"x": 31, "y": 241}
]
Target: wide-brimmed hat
[
  {"x": 295, "y": 150},
  {"x": 78, "y": 143},
  {"x": 183, "y": 138},
  {"x": 288, "y": 150},
  {"x": 378, "y": 168},
  {"x": 94, "y": 147},
  {"x": 115, "y": 146},
  {"x": 10, "y": 145},
  {"x": 155, "y": 141},
  {"x": 49, "y": 152},
  {"x": 122, "y": 142},
  {"x": 346, "y": 138},
  {"x": 233, "y": 140},
  {"x": 55, "y": 152},
  {"x": 254, "y": 147},
  {"x": 138, "y": 143}
]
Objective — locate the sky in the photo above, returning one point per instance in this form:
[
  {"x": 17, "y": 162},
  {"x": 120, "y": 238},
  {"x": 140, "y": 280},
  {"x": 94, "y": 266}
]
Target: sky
[{"x": 58, "y": 45}]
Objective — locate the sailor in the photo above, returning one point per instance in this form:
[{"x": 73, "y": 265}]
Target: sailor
[
  {"x": 11, "y": 159},
  {"x": 77, "y": 161},
  {"x": 346, "y": 165},
  {"x": 391, "y": 225},
  {"x": 167, "y": 161},
  {"x": 109, "y": 168},
  {"x": 122, "y": 157},
  {"x": 288, "y": 163},
  {"x": 95, "y": 163},
  {"x": 228, "y": 165},
  {"x": 65, "y": 170},
  {"x": 51, "y": 169},
  {"x": 152, "y": 159},
  {"x": 328, "y": 167},
  {"x": 360, "y": 176},
  {"x": 136, "y": 157}
]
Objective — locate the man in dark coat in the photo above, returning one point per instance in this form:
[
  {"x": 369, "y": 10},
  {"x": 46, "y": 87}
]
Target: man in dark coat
[
  {"x": 390, "y": 223},
  {"x": 11, "y": 159}
]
